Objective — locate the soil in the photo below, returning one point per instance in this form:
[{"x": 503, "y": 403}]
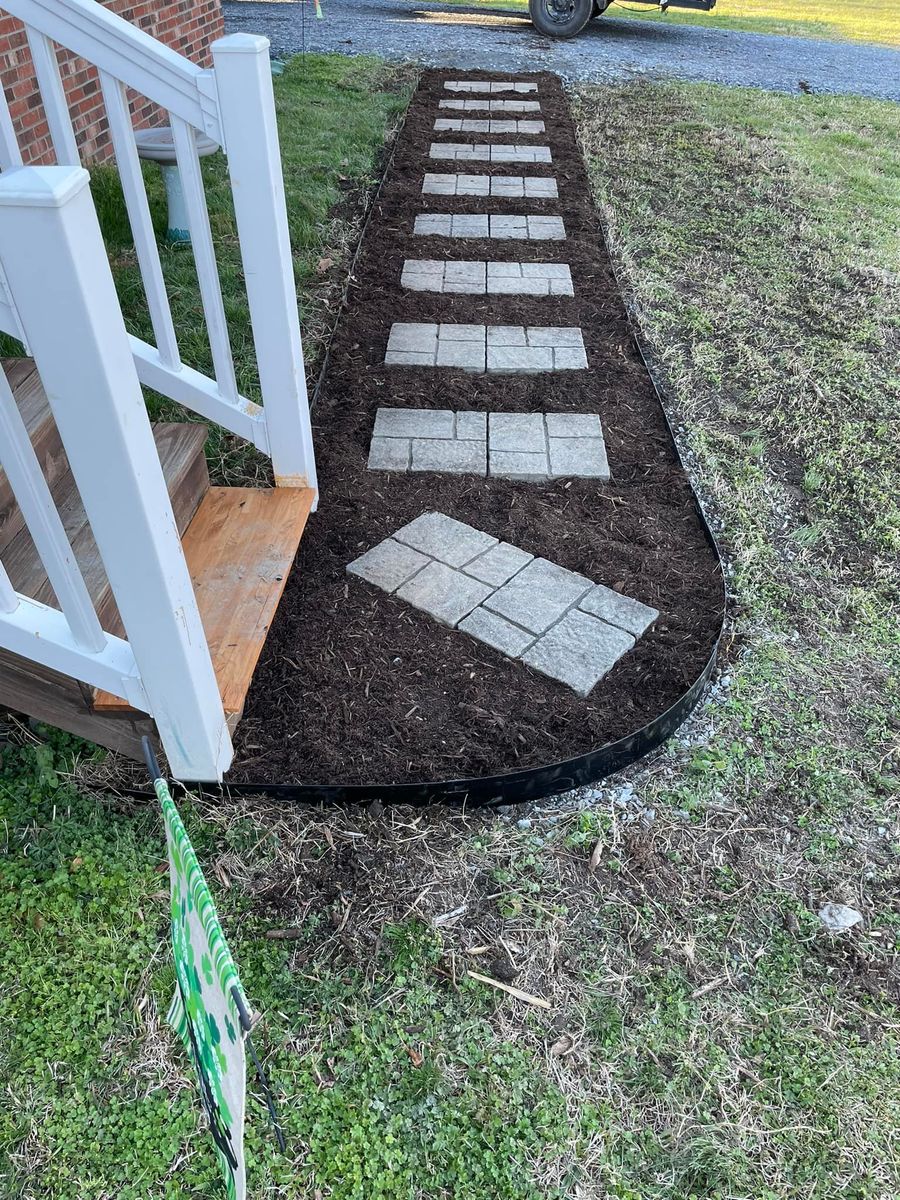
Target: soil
[{"x": 356, "y": 687}]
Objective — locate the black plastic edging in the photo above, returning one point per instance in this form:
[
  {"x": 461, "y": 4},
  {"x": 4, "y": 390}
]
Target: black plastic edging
[{"x": 531, "y": 783}]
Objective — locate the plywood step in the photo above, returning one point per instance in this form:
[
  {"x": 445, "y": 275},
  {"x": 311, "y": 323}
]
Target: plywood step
[
  {"x": 239, "y": 549},
  {"x": 180, "y": 448}
]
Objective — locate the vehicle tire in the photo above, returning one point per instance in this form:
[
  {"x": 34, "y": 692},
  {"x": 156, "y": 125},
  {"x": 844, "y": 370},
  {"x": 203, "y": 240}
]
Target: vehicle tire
[{"x": 560, "y": 18}]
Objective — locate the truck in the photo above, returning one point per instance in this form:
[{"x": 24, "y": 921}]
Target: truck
[{"x": 565, "y": 18}]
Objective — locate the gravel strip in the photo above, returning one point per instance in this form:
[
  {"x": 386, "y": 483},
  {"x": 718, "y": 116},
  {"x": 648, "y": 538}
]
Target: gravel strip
[{"x": 609, "y": 49}]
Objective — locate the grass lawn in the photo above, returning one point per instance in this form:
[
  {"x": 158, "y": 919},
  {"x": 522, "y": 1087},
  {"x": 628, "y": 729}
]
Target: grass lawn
[
  {"x": 706, "y": 1039},
  {"x": 853, "y": 21}
]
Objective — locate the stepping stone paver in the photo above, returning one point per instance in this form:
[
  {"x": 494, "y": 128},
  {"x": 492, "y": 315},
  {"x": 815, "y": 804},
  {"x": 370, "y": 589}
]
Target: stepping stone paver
[
  {"x": 491, "y": 105},
  {"x": 488, "y": 85},
  {"x": 526, "y": 608},
  {"x": 526, "y": 226},
  {"x": 507, "y": 445},
  {"x": 537, "y": 187},
  {"x": 478, "y": 278},
  {"x": 484, "y": 152},
  {"x": 445, "y": 594},
  {"x": 538, "y": 595},
  {"x": 513, "y": 348},
  {"x": 449, "y": 541},
  {"x": 614, "y": 608},
  {"x": 487, "y": 125},
  {"x": 578, "y": 651}
]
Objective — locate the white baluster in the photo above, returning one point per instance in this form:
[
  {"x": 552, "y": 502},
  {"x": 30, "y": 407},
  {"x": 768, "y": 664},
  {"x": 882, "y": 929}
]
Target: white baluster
[
  {"x": 39, "y": 510},
  {"x": 53, "y": 252},
  {"x": 204, "y": 256},
  {"x": 122, "y": 133},
  {"x": 10, "y": 154},
  {"x": 9, "y": 600},
  {"x": 247, "y": 111},
  {"x": 46, "y": 68}
]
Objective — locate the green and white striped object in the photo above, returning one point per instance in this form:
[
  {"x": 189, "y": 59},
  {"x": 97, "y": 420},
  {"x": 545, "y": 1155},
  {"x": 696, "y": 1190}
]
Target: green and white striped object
[{"x": 204, "y": 1011}]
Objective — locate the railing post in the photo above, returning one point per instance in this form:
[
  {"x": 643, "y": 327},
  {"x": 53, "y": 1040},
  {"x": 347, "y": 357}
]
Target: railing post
[
  {"x": 55, "y": 261},
  {"x": 247, "y": 114}
]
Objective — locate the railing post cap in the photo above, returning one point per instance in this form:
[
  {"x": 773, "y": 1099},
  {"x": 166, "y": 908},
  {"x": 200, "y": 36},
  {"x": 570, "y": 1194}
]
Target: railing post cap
[
  {"x": 241, "y": 43},
  {"x": 42, "y": 187}
]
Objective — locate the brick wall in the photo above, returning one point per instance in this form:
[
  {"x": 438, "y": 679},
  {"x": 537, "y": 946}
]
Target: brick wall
[{"x": 188, "y": 26}]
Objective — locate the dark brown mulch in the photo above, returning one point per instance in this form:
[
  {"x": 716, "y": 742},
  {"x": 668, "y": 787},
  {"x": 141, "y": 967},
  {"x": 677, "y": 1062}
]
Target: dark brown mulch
[{"x": 357, "y": 687}]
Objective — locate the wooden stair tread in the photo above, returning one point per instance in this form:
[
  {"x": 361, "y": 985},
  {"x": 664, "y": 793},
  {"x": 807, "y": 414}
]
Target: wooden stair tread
[
  {"x": 180, "y": 449},
  {"x": 25, "y": 383},
  {"x": 239, "y": 549}
]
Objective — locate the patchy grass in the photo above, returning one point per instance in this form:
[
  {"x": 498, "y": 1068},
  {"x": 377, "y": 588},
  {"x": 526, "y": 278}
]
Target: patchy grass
[
  {"x": 334, "y": 115},
  {"x": 854, "y": 21},
  {"x": 706, "y": 1038}
]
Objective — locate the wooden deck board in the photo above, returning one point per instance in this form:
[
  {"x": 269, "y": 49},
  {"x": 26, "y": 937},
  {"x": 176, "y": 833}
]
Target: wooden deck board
[{"x": 239, "y": 550}]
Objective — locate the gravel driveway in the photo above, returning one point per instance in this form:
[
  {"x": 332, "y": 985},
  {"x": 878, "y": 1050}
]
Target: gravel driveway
[{"x": 608, "y": 49}]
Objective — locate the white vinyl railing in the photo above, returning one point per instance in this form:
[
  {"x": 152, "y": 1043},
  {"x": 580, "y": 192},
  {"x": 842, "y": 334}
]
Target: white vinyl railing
[
  {"x": 58, "y": 296},
  {"x": 232, "y": 103}
]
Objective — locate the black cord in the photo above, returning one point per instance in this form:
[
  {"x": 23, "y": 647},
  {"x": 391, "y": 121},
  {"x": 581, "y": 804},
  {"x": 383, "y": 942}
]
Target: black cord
[{"x": 246, "y": 1025}]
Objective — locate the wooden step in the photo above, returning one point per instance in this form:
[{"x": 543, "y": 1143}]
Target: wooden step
[
  {"x": 180, "y": 448},
  {"x": 239, "y": 549}
]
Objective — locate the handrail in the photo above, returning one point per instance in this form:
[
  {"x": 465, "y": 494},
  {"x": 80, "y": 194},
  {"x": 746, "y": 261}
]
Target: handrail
[{"x": 121, "y": 49}]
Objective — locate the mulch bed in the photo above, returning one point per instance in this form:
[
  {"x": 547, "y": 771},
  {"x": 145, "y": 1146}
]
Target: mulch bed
[{"x": 356, "y": 687}]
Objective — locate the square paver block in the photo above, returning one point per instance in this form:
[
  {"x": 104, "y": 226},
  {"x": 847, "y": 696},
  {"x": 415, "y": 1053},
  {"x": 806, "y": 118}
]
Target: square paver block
[
  {"x": 413, "y": 422},
  {"x": 546, "y": 228},
  {"x": 496, "y": 632},
  {"x": 574, "y": 425},
  {"x": 407, "y": 358},
  {"x": 413, "y": 336},
  {"x": 632, "y": 616},
  {"x": 554, "y": 335},
  {"x": 569, "y": 358},
  {"x": 506, "y": 335},
  {"x": 454, "y": 458},
  {"x": 445, "y": 594},
  {"x": 539, "y": 595},
  {"x": 433, "y": 225},
  {"x": 467, "y": 355},
  {"x": 578, "y": 651},
  {"x": 461, "y": 333},
  {"x": 449, "y": 541},
  {"x": 519, "y": 464},
  {"x": 388, "y": 565},
  {"x": 585, "y": 457},
  {"x": 498, "y": 565},
  {"x": 517, "y": 431},
  {"x": 389, "y": 454},
  {"x": 471, "y": 426},
  {"x": 439, "y": 185}
]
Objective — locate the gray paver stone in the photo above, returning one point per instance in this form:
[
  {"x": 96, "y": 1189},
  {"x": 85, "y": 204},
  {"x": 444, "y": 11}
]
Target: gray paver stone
[
  {"x": 471, "y": 426},
  {"x": 569, "y": 358},
  {"x": 444, "y": 594},
  {"x": 554, "y": 335},
  {"x": 496, "y": 632},
  {"x": 414, "y": 336},
  {"x": 520, "y": 358},
  {"x": 450, "y": 541},
  {"x": 389, "y": 454},
  {"x": 455, "y": 458},
  {"x": 517, "y": 431},
  {"x": 467, "y": 355},
  {"x": 388, "y": 565},
  {"x": 585, "y": 457},
  {"x": 432, "y": 225},
  {"x": 506, "y": 335},
  {"x": 413, "y": 422},
  {"x": 462, "y": 333},
  {"x": 498, "y": 565},
  {"x": 407, "y": 358},
  {"x": 619, "y": 610},
  {"x": 578, "y": 651},
  {"x": 518, "y": 464},
  {"x": 539, "y": 595}
]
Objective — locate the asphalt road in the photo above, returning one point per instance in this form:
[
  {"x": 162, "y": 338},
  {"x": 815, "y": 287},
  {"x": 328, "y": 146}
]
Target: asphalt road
[{"x": 609, "y": 49}]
